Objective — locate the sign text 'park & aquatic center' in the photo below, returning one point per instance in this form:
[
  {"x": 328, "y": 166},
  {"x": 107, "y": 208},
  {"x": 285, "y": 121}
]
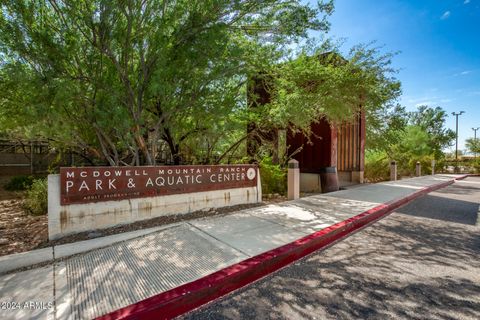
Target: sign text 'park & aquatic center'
[{"x": 95, "y": 184}]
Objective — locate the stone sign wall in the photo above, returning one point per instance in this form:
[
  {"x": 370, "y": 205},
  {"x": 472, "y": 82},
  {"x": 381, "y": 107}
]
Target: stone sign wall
[{"x": 84, "y": 199}]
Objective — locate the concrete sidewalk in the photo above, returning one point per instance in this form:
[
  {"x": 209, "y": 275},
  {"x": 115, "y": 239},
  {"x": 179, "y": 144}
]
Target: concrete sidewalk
[{"x": 136, "y": 275}]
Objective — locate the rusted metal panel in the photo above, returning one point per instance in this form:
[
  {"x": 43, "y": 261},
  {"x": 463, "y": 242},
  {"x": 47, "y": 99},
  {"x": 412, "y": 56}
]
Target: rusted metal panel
[
  {"x": 316, "y": 150},
  {"x": 339, "y": 147},
  {"x": 333, "y": 146},
  {"x": 95, "y": 184},
  {"x": 351, "y": 144},
  {"x": 362, "y": 141},
  {"x": 355, "y": 144}
]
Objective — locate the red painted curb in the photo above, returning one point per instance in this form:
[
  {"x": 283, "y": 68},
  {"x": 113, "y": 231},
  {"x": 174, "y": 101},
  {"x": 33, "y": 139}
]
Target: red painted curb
[{"x": 192, "y": 295}]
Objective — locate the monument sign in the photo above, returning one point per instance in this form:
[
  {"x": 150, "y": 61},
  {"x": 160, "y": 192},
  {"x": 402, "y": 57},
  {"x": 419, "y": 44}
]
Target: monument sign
[
  {"x": 94, "y": 184},
  {"x": 89, "y": 198}
]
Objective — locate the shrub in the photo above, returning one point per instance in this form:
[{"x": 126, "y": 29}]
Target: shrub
[
  {"x": 377, "y": 166},
  {"x": 36, "y": 200},
  {"x": 273, "y": 177},
  {"x": 19, "y": 183},
  {"x": 476, "y": 166}
]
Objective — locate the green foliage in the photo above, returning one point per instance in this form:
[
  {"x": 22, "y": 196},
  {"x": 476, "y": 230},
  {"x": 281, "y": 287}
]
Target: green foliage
[
  {"x": 377, "y": 166},
  {"x": 273, "y": 177},
  {"x": 432, "y": 121},
  {"x": 385, "y": 127},
  {"x": 408, "y": 138},
  {"x": 36, "y": 198},
  {"x": 464, "y": 165},
  {"x": 414, "y": 146},
  {"x": 451, "y": 155},
  {"x": 327, "y": 85},
  {"x": 117, "y": 79},
  {"x": 476, "y": 165},
  {"x": 473, "y": 146},
  {"x": 19, "y": 183}
]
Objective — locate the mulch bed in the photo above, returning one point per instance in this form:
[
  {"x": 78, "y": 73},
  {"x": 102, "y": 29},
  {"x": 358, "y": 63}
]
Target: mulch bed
[{"x": 20, "y": 231}]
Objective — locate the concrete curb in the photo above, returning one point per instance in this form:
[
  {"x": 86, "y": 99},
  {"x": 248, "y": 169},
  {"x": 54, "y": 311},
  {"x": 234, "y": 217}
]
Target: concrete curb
[
  {"x": 25, "y": 259},
  {"x": 192, "y": 295}
]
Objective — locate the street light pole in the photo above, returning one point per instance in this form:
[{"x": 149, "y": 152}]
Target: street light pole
[
  {"x": 475, "y": 142},
  {"x": 456, "y": 134}
]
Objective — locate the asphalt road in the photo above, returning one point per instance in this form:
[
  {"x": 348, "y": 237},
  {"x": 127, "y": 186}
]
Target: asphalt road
[{"x": 421, "y": 262}]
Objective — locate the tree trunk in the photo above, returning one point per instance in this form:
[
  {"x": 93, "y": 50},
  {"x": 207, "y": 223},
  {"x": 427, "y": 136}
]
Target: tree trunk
[
  {"x": 142, "y": 146},
  {"x": 174, "y": 147}
]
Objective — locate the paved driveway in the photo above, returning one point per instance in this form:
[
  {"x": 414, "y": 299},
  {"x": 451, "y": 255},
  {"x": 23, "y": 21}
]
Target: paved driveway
[{"x": 421, "y": 262}]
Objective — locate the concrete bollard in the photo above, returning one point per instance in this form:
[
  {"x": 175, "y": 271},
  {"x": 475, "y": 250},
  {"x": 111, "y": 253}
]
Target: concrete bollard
[
  {"x": 433, "y": 167},
  {"x": 393, "y": 171},
  {"x": 418, "y": 169},
  {"x": 293, "y": 180}
]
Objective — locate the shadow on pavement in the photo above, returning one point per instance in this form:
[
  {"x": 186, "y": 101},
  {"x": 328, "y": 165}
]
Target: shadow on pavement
[
  {"x": 441, "y": 208},
  {"x": 406, "y": 267},
  {"x": 460, "y": 189}
]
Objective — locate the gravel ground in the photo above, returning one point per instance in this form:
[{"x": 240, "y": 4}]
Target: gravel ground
[
  {"x": 421, "y": 262},
  {"x": 19, "y": 231}
]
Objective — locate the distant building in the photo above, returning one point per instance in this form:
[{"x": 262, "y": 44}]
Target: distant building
[{"x": 18, "y": 157}]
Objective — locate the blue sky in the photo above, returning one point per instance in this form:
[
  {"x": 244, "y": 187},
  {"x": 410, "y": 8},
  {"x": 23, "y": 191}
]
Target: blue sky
[{"x": 439, "y": 50}]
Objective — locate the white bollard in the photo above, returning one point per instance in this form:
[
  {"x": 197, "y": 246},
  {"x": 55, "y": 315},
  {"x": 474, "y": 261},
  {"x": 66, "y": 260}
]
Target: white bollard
[
  {"x": 393, "y": 171},
  {"x": 293, "y": 180},
  {"x": 433, "y": 167}
]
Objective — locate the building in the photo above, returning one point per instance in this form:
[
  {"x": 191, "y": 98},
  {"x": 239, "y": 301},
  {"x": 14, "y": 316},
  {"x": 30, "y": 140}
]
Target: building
[
  {"x": 21, "y": 157},
  {"x": 331, "y": 157},
  {"x": 334, "y": 157}
]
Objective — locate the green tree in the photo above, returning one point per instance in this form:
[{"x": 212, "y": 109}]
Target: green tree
[
  {"x": 319, "y": 85},
  {"x": 408, "y": 137},
  {"x": 117, "y": 79},
  {"x": 473, "y": 145},
  {"x": 432, "y": 121},
  {"x": 414, "y": 147},
  {"x": 385, "y": 128}
]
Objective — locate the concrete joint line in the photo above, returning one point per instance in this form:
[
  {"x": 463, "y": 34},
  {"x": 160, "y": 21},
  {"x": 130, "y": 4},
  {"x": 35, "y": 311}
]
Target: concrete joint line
[
  {"x": 54, "y": 275},
  {"x": 219, "y": 240}
]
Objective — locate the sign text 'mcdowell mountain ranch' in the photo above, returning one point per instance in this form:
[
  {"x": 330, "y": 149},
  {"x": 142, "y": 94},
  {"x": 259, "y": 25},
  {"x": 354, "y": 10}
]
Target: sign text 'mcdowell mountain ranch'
[{"x": 93, "y": 184}]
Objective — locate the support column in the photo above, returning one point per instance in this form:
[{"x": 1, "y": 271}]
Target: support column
[
  {"x": 293, "y": 180},
  {"x": 32, "y": 169},
  {"x": 393, "y": 171}
]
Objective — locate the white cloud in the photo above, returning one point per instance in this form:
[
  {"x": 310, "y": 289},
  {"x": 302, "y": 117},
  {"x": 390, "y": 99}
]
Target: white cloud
[
  {"x": 423, "y": 99},
  {"x": 428, "y": 101},
  {"x": 463, "y": 73},
  {"x": 445, "y": 15},
  {"x": 466, "y": 2},
  {"x": 425, "y": 103}
]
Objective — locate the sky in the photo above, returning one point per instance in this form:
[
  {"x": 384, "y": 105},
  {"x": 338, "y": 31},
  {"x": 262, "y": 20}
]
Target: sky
[{"x": 439, "y": 50}]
